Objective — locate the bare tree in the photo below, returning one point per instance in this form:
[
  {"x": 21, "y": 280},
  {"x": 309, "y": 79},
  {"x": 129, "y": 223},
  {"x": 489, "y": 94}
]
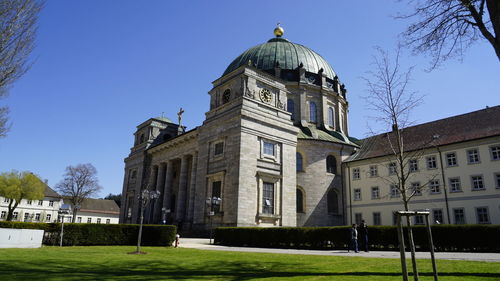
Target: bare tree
[
  {"x": 392, "y": 100},
  {"x": 18, "y": 20},
  {"x": 16, "y": 186},
  {"x": 80, "y": 182},
  {"x": 445, "y": 28}
]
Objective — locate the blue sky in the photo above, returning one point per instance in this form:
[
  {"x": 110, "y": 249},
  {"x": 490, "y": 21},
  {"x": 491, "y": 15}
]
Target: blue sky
[{"x": 101, "y": 67}]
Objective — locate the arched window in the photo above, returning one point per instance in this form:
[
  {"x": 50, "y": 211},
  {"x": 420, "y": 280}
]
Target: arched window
[
  {"x": 290, "y": 107},
  {"x": 331, "y": 164},
  {"x": 332, "y": 202},
  {"x": 299, "y": 161},
  {"x": 331, "y": 117},
  {"x": 312, "y": 112},
  {"x": 300, "y": 201}
]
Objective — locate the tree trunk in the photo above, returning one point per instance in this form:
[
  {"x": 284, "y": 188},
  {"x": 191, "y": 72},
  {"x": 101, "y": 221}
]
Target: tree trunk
[
  {"x": 494, "y": 11},
  {"x": 75, "y": 211},
  {"x": 11, "y": 209},
  {"x": 412, "y": 245}
]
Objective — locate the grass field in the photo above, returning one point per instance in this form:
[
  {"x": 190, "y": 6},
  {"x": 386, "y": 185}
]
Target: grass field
[{"x": 101, "y": 263}]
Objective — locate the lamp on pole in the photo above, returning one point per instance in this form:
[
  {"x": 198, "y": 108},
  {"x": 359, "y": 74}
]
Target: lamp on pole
[
  {"x": 145, "y": 197},
  {"x": 165, "y": 213},
  {"x": 65, "y": 209},
  {"x": 213, "y": 204}
]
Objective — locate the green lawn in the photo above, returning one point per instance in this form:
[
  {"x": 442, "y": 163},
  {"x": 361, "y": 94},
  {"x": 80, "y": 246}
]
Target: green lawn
[{"x": 91, "y": 263}]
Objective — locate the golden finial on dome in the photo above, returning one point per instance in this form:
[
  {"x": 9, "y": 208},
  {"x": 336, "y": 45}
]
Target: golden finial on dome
[{"x": 278, "y": 31}]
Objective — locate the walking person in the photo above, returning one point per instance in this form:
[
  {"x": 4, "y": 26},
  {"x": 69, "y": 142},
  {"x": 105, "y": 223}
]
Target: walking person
[
  {"x": 363, "y": 235},
  {"x": 354, "y": 238}
]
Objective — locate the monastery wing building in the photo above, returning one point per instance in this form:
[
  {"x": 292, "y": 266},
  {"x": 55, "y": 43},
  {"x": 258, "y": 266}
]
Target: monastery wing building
[{"x": 269, "y": 151}]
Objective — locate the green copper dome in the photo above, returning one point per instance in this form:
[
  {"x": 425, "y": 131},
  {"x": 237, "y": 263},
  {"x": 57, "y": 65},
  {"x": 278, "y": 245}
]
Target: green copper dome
[{"x": 289, "y": 56}]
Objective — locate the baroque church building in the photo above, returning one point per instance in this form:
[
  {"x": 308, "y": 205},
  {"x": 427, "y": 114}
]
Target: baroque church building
[{"x": 269, "y": 152}]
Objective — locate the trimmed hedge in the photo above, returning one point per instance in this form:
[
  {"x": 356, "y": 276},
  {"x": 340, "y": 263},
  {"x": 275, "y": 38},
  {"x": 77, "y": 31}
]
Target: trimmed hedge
[
  {"x": 78, "y": 234},
  {"x": 470, "y": 238}
]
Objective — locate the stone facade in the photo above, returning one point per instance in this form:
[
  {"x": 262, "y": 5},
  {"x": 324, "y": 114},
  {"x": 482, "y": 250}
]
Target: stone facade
[{"x": 245, "y": 153}]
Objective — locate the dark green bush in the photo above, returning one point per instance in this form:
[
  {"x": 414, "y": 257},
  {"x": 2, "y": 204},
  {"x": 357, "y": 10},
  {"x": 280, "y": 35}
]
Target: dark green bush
[
  {"x": 100, "y": 234},
  {"x": 471, "y": 238}
]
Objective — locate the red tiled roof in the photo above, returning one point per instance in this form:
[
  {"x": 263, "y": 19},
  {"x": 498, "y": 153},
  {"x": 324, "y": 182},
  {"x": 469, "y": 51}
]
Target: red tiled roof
[{"x": 470, "y": 126}]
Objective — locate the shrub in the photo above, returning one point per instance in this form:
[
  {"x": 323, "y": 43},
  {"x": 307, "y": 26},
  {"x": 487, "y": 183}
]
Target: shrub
[
  {"x": 476, "y": 238},
  {"x": 100, "y": 234}
]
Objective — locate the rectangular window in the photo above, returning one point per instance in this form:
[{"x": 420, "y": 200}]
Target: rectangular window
[
  {"x": 477, "y": 182},
  {"x": 416, "y": 188},
  {"x": 482, "y": 215},
  {"x": 419, "y": 219},
  {"x": 413, "y": 165},
  {"x": 357, "y": 194},
  {"x": 355, "y": 174},
  {"x": 495, "y": 152},
  {"x": 79, "y": 220},
  {"x": 459, "y": 215},
  {"x": 37, "y": 216},
  {"x": 51, "y": 203},
  {"x": 434, "y": 187},
  {"x": 455, "y": 185},
  {"x": 268, "y": 148},
  {"x": 29, "y": 202},
  {"x": 375, "y": 192},
  {"x": 15, "y": 215},
  {"x": 216, "y": 193},
  {"x": 40, "y": 202},
  {"x": 431, "y": 162},
  {"x": 48, "y": 217},
  {"x": 6, "y": 200},
  {"x": 373, "y": 171},
  {"x": 394, "y": 219},
  {"x": 3, "y": 215},
  {"x": 437, "y": 216},
  {"x": 377, "y": 219},
  {"x": 392, "y": 168},
  {"x": 268, "y": 198},
  {"x": 26, "y": 217},
  {"x": 394, "y": 191},
  {"x": 497, "y": 180},
  {"x": 98, "y": 220},
  {"x": 218, "y": 148},
  {"x": 473, "y": 156},
  {"x": 358, "y": 217},
  {"x": 108, "y": 221},
  {"x": 451, "y": 159},
  {"x": 89, "y": 220}
]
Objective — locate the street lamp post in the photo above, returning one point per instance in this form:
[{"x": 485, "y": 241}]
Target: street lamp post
[
  {"x": 211, "y": 203},
  {"x": 63, "y": 210},
  {"x": 165, "y": 213},
  {"x": 145, "y": 197}
]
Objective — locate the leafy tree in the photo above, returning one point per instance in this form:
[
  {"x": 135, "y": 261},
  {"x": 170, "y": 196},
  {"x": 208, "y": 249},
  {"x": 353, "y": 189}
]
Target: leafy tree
[
  {"x": 116, "y": 197},
  {"x": 445, "y": 28},
  {"x": 80, "y": 182},
  {"x": 16, "y": 186},
  {"x": 18, "y": 23}
]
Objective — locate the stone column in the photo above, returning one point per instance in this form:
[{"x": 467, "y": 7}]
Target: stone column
[
  {"x": 303, "y": 106},
  {"x": 167, "y": 191},
  {"x": 192, "y": 186},
  {"x": 180, "y": 208},
  {"x": 160, "y": 183},
  {"x": 152, "y": 184}
]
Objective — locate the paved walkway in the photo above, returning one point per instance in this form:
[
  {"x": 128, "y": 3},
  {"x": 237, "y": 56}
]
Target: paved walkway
[{"x": 203, "y": 244}]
